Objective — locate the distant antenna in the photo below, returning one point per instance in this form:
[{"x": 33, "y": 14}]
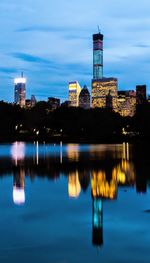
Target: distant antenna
[
  {"x": 99, "y": 31},
  {"x": 22, "y": 74}
]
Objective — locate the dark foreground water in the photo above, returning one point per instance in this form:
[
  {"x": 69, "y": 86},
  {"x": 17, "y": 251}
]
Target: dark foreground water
[{"x": 74, "y": 203}]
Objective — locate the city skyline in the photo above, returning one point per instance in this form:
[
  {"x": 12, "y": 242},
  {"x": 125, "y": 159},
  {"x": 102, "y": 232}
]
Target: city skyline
[{"x": 53, "y": 49}]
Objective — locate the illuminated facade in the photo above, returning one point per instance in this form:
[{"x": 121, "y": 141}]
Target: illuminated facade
[
  {"x": 20, "y": 91},
  {"x": 84, "y": 98},
  {"x": 127, "y": 103},
  {"x": 101, "y": 88},
  {"x": 97, "y": 56},
  {"x": 140, "y": 94},
  {"x": 74, "y": 91}
]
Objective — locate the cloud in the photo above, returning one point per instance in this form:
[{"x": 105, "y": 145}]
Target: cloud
[
  {"x": 29, "y": 58},
  {"x": 41, "y": 28},
  {"x": 7, "y": 70}
]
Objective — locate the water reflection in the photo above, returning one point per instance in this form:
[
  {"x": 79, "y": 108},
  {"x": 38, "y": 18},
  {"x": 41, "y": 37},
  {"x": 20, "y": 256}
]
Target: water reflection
[
  {"x": 104, "y": 168},
  {"x": 104, "y": 185},
  {"x": 18, "y": 156},
  {"x": 74, "y": 187},
  {"x": 18, "y": 152},
  {"x": 18, "y": 187},
  {"x": 97, "y": 235}
]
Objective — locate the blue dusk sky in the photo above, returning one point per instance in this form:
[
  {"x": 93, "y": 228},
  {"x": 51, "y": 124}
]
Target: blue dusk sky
[{"x": 51, "y": 42}]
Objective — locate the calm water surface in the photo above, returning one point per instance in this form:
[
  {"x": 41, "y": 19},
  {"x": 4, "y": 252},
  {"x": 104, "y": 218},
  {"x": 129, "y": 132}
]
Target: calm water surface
[{"x": 70, "y": 203}]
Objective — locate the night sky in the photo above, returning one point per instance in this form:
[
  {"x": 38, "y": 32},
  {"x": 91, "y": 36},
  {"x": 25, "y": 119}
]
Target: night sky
[{"x": 51, "y": 41}]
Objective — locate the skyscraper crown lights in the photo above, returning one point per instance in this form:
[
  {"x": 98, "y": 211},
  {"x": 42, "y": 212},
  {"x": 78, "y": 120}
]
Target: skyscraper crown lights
[{"x": 20, "y": 80}]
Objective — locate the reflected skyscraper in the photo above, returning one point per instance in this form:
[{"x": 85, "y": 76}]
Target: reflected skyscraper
[
  {"x": 18, "y": 152},
  {"x": 97, "y": 235},
  {"x": 18, "y": 187},
  {"x": 102, "y": 187},
  {"x": 73, "y": 152},
  {"x": 74, "y": 187}
]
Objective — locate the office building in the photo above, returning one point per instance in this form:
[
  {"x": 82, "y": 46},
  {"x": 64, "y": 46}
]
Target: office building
[
  {"x": 84, "y": 98},
  {"x": 33, "y": 100},
  {"x": 97, "y": 56},
  {"x": 103, "y": 91},
  {"x": 140, "y": 94},
  {"x": 127, "y": 103},
  {"x": 74, "y": 91},
  {"x": 20, "y": 91}
]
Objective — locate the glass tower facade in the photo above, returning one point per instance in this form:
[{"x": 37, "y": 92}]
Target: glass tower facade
[
  {"x": 97, "y": 56},
  {"x": 74, "y": 91},
  {"x": 20, "y": 91}
]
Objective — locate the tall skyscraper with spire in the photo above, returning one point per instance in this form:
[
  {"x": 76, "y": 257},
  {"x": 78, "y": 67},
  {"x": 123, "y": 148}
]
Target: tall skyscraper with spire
[
  {"x": 98, "y": 56},
  {"x": 102, "y": 87},
  {"x": 20, "y": 91}
]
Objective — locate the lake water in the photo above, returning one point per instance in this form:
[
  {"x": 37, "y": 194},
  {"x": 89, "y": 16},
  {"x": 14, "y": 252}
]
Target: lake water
[{"x": 70, "y": 203}]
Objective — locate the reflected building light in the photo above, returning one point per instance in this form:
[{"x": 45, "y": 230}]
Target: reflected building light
[
  {"x": 18, "y": 196},
  {"x": 124, "y": 173},
  {"x": 127, "y": 151},
  {"x": 18, "y": 151},
  {"x": 97, "y": 237},
  {"x": 124, "y": 150},
  {"x": 73, "y": 151},
  {"x": 37, "y": 153},
  {"x": 61, "y": 156},
  {"x": 103, "y": 188},
  {"x": 18, "y": 187},
  {"x": 74, "y": 187}
]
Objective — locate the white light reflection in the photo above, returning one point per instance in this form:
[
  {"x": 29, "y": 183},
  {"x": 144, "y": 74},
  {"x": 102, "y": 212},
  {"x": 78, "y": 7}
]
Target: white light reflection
[
  {"x": 37, "y": 152},
  {"x": 18, "y": 151},
  {"x": 61, "y": 157},
  {"x": 18, "y": 195}
]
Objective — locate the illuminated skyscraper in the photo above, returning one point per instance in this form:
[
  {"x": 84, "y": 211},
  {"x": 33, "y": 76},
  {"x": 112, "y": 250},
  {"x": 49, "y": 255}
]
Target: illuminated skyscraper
[
  {"x": 126, "y": 103},
  {"x": 140, "y": 94},
  {"x": 104, "y": 90},
  {"x": 74, "y": 91},
  {"x": 20, "y": 91},
  {"x": 101, "y": 88},
  {"x": 84, "y": 98},
  {"x": 97, "y": 56}
]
